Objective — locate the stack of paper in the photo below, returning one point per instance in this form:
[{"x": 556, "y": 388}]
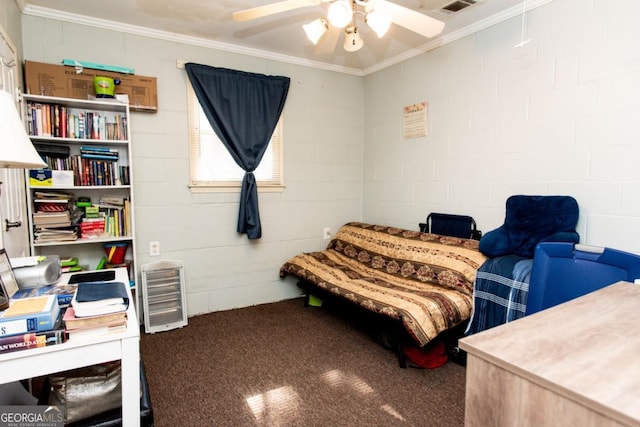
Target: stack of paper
[{"x": 43, "y": 235}]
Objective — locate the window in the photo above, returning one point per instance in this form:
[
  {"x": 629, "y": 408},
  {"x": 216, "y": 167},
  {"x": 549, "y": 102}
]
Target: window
[{"x": 211, "y": 166}]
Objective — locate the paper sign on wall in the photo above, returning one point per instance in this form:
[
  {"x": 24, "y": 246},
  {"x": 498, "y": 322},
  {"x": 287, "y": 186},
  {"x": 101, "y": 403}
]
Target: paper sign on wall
[{"x": 415, "y": 120}]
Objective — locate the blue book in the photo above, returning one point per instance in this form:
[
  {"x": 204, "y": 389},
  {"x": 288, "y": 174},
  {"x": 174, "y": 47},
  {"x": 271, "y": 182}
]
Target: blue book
[
  {"x": 29, "y": 315},
  {"x": 102, "y": 149},
  {"x": 28, "y": 340},
  {"x": 64, "y": 293},
  {"x": 99, "y": 157}
]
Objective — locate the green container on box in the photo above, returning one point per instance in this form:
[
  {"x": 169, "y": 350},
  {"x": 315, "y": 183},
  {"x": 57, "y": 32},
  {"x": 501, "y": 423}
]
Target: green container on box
[{"x": 105, "y": 87}]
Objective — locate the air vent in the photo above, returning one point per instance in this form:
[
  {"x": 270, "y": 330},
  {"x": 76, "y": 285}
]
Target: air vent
[{"x": 456, "y": 6}]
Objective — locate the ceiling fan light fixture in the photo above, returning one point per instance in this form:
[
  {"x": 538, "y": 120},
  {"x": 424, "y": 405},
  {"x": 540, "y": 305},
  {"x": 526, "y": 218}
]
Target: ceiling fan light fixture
[
  {"x": 316, "y": 29},
  {"x": 352, "y": 39},
  {"x": 378, "y": 22},
  {"x": 340, "y": 13}
]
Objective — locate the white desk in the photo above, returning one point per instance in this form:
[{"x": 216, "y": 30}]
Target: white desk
[
  {"x": 75, "y": 354},
  {"x": 575, "y": 364}
]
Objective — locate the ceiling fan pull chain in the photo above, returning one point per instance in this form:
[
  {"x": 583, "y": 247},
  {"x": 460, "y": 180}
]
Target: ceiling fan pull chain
[{"x": 522, "y": 40}]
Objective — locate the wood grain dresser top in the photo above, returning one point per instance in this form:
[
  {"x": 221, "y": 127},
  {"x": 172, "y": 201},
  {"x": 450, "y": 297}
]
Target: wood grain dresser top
[{"x": 587, "y": 349}]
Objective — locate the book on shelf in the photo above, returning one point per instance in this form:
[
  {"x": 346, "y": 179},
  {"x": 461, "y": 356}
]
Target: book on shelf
[
  {"x": 97, "y": 149},
  {"x": 58, "y": 151},
  {"x": 53, "y": 336},
  {"x": 111, "y": 202},
  {"x": 44, "y": 235},
  {"x": 95, "y": 171},
  {"x": 99, "y": 156},
  {"x": 52, "y": 219},
  {"x": 97, "y": 298},
  {"x": 61, "y": 121},
  {"x": 51, "y": 205},
  {"x": 52, "y": 196},
  {"x": 100, "y": 153},
  {"x": 29, "y": 315},
  {"x": 92, "y": 227}
]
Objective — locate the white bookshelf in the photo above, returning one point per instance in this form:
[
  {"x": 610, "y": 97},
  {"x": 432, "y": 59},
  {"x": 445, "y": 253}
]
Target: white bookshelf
[{"x": 102, "y": 179}]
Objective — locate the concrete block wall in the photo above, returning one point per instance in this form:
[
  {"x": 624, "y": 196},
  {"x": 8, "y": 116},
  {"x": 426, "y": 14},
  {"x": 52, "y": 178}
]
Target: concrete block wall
[
  {"x": 556, "y": 116},
  {"x": 323, "y": 154}
]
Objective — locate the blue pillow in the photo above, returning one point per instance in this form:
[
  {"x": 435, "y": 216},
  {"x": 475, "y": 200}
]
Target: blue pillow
[{"x": 530, "y": 220}]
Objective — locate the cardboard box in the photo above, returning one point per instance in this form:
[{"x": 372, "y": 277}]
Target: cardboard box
[
  {"x": 62, "y": 178},
  {"x": 50, "y": 178},
  {"x": 63, "y": 81},
  {"x": 40, "y": 178}
]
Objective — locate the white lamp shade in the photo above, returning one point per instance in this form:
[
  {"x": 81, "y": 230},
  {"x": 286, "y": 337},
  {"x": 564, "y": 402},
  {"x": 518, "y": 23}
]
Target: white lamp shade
[
  {"x": 16, "y": 149},
  {"x": 340, "y": 13},
  {"x": 315, "y": 29},
  {"x": 352, "y": 39},
  {"x": 378, "y": 22}
]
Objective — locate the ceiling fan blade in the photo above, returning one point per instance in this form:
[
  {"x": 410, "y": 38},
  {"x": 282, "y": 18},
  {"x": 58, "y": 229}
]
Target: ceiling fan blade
[
  {"x": 272, "y": 9},
  {"x": 328, "y": 42},
  {"x": 410, "y": 19}
]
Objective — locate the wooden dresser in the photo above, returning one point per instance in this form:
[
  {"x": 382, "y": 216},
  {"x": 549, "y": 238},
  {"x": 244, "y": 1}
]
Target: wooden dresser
[{"x": 575, "y": 364}]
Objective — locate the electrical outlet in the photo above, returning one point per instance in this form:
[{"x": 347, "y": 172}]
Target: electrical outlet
[
  {"x": 326, "y": 233},
  {"x": 154, "y": 248}
]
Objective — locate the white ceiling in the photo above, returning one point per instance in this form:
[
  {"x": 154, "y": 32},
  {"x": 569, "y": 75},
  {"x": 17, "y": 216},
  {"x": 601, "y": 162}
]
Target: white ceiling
[{"x": 209, "y": 22}]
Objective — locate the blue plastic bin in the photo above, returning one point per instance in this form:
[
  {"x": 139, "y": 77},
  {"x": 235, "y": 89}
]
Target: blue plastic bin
[{"x": 564, "y": 271}]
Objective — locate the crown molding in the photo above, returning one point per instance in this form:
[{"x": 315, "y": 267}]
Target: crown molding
[
  {"x": 44, "y": 12},
  {"x": 458, "y": 34},
  {"x": 22, "y": 4}
]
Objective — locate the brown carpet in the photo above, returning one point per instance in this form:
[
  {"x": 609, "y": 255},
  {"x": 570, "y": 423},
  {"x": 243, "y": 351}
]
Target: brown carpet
[{"x": 283, "y": 364}]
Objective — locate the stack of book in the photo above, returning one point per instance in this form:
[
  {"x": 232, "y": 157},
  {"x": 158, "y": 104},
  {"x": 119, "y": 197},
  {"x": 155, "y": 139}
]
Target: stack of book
[
  {"x": 86, "y": 327},
  {"x": 92, "y": 224},
  {"x": 99, "y": 153},
  {"x": 52, "y": 218},
  {"x": 97, "y": 308},
  {"x": 96, "y": 166},
  {"x": 30, "y": 323},
  {"x": 51, "y": 210},
  {"x": 92, "y": 227}
]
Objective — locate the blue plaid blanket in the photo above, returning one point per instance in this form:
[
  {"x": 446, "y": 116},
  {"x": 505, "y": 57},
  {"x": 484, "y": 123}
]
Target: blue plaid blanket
[{"x": 500, "y": 292}]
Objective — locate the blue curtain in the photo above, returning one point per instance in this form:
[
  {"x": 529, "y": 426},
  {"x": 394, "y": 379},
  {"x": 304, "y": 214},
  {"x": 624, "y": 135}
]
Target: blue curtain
[{"x": 243, "y": 110}]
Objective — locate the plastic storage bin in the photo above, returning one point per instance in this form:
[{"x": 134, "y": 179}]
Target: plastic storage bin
[
  {"x": 564, "y": 271},
  {"x": 115, "y": 252}
]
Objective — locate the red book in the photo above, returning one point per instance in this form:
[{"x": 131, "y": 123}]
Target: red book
[{"x": 63, "y": 122}]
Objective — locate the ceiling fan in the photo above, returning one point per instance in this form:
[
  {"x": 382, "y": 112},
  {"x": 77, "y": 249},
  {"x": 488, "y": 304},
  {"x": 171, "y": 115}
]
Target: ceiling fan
[{"x": 342, "y": 14}]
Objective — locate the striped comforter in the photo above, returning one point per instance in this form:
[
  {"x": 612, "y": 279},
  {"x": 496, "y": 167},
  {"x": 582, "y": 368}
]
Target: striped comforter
[{"x": 424, "y": 280}]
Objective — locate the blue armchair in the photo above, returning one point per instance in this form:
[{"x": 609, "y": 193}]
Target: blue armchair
[{"x": 502, "y": 282}]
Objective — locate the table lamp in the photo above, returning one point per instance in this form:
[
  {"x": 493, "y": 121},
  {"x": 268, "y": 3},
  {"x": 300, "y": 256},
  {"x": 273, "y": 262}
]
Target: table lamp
[{"x": 16, "y": 149}]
